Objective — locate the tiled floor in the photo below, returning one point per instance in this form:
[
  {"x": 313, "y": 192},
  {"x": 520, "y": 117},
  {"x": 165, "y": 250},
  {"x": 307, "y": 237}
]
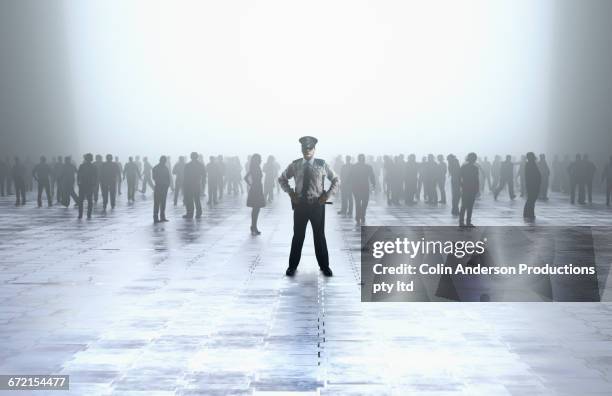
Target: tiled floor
[{"x": 202, "y": 308}]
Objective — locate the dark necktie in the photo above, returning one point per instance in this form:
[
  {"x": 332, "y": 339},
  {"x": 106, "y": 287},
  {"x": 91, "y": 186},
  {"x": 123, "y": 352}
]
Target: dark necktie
[{"x": 306, "y": 180}]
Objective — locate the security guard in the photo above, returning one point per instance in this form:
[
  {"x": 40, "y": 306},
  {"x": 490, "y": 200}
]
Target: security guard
[{"x": 308, "y": 201}]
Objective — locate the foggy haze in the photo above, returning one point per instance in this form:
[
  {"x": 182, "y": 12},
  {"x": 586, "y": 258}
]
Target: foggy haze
[{"x": 377, "y": 77}]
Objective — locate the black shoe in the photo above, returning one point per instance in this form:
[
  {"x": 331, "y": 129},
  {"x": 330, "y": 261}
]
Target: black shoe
[
  {"x": 290, "y": 271},
  {"x": 470, "y": 225},
  {"x": 164, "y": 220},
  {"x": 327, "y": 271},
  {"x": 187, "y": 216},
  {"x": 155, "y": 221}
]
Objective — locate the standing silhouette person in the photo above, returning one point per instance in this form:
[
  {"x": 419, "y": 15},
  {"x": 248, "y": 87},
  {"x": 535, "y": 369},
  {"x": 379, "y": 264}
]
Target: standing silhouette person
[
  {"x": 57, "y": 170},
  {"x": 270, "y": 171},
  {"x": 308, "y": 201},
  {"x": 161, "y": 177},
  {"x": 213, "y": 180},
  {"x": 589, "y": 175},
  {"x": 87, "y": 179},
  {"x": 346, "y": 190},
  {"x": 118, "y": 178},
  {"x": 147, "y": 170},
  {"x": 19, "y": 179},
  {"x": 4, "y": 176},
  {"x": 606, "y": 176},
  {"x": 195, "y": 179},
  {"x": 506, "y": 177},
  {"x": 132, "y": 174},
  {"x": 485, "y": 171},
  {"x": 454, "y": 170},
  {"x": 67, "y": 182},
  {"x": 576, "y": 173},
  {"x": 545, "y": 173},
  {"x": 441, "y": 178},
  {"x": 362, "y": 181},
  {"x": 178, "y": 171},
  {"x": 533, "y": 181},
  {"x": 42, "y": 174},
  {"x": 98, "y": 164},
  {"x": 469, "y": 189},
  {"x": 255, "y": 197},
  {"x": 411, "y": 175},
  {"x": 108, "y": 181}
]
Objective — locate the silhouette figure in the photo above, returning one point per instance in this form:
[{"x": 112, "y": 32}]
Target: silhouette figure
[
  {"x": 57, "y": 170},
  {"x": 545, "y": 173},
  {"x": 362, "y": 180},
  {"x": 213, "y": 180},
  {"x": 485, "y": 172},
  {"x": 67, "y": 179},
  {"x": 589, "y": 175},
  {"x": 308, "y": 201},
  {"x": 42, "y": 174},
  {"x": 270, "y": 171},
  {"x": 87, "y": 179},
  {"x": 411, "y": 175},
  {"x": 195, "y": 178},
  {"x": 576, "y": 172},
  {"x": 606, "y": 176},
  {"x": 255, "y": 198},
  {"x": 4, "y": 175},
  {"x": 454, "y": 170},
  {"x": 98, "y": 164},
  {"x": 147, "y": 170},
  {"x": 496, "y": 172},
  {"x": 533, "y": 181},
  {"x": 118, "y": 177},
  {"x": 108, "y": 181},
  {"x": 19, "y": 180},
  {"x": 441, "y": 178},
  {"x": 221, "y": 173},
  {"x": 430, "y": 176},
  {"x": 178, "y": 171},
  {"x": 469, "y": 189},
  {"x": 346, "y": 189},
  {"x": 161, "y": 177},
  {"x": 557, "y": 172},
  {"x": 131, "y": 173},
  {"x": 506, "y": 177},
  {"x": 520, "y": 175}
]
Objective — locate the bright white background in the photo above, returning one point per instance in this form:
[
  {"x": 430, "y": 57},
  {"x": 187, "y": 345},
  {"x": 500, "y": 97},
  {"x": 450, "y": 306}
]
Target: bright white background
[{"x": 247, "y": 76}]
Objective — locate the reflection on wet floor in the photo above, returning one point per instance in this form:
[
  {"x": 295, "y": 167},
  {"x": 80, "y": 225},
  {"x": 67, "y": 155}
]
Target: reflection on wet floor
[{"x": 203, "y": 308}]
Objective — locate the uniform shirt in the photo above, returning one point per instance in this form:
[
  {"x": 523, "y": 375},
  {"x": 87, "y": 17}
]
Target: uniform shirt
[{"x": 319, "y": 171}]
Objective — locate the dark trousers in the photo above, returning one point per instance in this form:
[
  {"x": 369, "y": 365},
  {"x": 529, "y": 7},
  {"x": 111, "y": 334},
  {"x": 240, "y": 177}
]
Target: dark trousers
[
  {"x": 589, "y": 190},
  {"x": 109, "y": 189},
  {"x": 467, "y": 205},
  {"x": 347, "y": 201},
  {"x": 192, "y": 199},
  {"x": 529, "y": 209},
  {"x": 20, "y": 192},
  {"x": 96, "y": 192},
  {"x": 177, "y": 189},
  {"x": 86, "y": 193},
  {"x": 430, "y": 191},
  {"x": 44, "y": 185},
  {"x": 455, "y": 196},
  {"x": 302, "y": 214},
  {"x": 608, "y": 191},
  {"x": 411, "y": 190},
  {"x": 160, "y": 192},
  {"x": 361, "y": 205}
]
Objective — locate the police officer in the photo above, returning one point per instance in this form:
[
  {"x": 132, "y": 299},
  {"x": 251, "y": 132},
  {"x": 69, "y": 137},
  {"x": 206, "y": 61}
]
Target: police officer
[
  {"x": 161, "y": 177},
  {"x": 308, "y": 201}
]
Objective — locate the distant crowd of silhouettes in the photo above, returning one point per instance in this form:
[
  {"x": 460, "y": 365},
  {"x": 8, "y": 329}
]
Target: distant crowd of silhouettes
[{"x": 399, "y": 180}]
